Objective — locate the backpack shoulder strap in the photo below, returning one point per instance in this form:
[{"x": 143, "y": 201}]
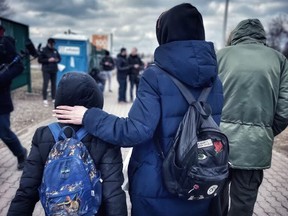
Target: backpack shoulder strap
[
  {"x": 81, "y": 133},
  {"x": 204, "y": 94},
  {"x": 58, "y": 132},
  {"x": 185, "y": 91},
  {"x": 55, "y": 130}
]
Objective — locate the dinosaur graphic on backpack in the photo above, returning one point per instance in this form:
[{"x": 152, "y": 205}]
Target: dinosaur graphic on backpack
[{"x": 71, "y": 184}]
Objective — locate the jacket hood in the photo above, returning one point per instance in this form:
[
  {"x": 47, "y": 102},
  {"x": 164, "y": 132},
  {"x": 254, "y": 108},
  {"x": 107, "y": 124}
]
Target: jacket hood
[
  {"x": 182, "y": 22},
  {"x": 193, "y": 62},
  {"x": 248, "y": 31},
  {"x": 80, "y": 89}
]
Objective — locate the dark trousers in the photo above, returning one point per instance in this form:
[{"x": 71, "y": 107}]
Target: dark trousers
[
  {"x": 244, "y": 185},
  {"x": 46, "y": 77},
  {"x": 9, "y": 137},
  {"x": 134, "y": 81},
  {"x": 122, "y": 80}
]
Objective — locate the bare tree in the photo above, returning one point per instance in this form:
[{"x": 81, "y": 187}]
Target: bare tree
[
  {"x": 5, "y": 10},
  {"x": 277, "y": 35}
]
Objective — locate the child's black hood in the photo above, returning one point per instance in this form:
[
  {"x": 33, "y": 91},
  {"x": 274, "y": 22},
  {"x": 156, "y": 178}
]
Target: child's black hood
[{"x": 78, "y": 89}]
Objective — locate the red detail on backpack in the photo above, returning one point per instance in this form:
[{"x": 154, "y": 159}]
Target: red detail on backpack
[{"x": 218, "y": 146}]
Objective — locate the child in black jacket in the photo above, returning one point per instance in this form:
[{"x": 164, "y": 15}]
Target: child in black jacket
[{"x": 73, "y": 89}]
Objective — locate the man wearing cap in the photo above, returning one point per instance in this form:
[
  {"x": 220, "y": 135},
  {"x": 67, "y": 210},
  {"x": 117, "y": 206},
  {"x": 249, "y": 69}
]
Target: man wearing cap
[{"x": 49, "y": 58}]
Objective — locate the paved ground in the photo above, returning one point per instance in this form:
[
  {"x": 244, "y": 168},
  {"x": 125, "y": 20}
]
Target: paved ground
[{"x": 273, "y": 194}]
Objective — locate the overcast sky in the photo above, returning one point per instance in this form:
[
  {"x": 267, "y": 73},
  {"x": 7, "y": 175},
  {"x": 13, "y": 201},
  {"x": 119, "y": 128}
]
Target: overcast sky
[{"x": 132, "y": 22}]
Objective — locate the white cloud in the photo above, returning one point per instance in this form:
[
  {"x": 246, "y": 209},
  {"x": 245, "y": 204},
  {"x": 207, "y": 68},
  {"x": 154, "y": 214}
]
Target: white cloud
[{"x": 131, "y": 22}]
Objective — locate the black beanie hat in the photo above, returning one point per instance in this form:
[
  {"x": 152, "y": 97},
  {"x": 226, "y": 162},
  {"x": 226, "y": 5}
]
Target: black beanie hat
[
  {"x": 78, "y": 89},
  {"x": 182, "y": 22}
]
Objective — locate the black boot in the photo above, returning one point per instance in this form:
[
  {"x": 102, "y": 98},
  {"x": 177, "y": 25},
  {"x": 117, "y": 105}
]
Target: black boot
[{"x": 22, "y": 159}]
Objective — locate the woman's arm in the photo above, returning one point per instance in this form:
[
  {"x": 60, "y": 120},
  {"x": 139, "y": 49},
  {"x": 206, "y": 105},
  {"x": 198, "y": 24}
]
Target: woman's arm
[{"x": 137, "y": 128}]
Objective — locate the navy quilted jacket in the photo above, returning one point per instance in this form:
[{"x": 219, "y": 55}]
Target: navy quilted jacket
[{"x": 156, "y": 114}]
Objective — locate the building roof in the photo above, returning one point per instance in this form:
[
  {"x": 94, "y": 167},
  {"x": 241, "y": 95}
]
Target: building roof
[{"x": 71, "y": 37}]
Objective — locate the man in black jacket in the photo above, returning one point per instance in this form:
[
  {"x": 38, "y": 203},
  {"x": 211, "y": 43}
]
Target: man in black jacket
[
  {"x": 122, "y": 71},
  {"x": 49, "y": 58},
  {"x": 136, "y": 66},
  {"x": 7, "y": 74},
  {"x": 108, "y": 65}
]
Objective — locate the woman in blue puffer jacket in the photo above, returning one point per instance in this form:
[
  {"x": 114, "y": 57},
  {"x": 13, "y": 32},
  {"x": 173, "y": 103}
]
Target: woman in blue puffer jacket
[{"x": 157, "y": 111}]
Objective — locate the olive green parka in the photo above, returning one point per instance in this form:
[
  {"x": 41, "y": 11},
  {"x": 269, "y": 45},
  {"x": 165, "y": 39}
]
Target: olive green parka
[{"x": 255, "y": 82}]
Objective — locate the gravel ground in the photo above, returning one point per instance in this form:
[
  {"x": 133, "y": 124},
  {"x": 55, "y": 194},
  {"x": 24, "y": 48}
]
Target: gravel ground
[{"x": 29, "y": 110}]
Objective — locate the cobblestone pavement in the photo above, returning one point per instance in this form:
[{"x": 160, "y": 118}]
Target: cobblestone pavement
[{"x": 273, "y": 194}]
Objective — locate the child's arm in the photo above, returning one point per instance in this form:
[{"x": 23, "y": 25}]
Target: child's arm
[{"x": 27, "y": 194}]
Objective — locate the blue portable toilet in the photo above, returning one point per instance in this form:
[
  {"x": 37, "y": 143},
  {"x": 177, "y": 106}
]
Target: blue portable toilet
[{"x": 75, "y": 53}]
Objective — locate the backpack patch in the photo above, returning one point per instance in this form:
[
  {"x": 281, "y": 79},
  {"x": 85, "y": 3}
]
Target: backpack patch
[
  {"x": 71, "y": 184},
  {"x": 196, "y": 165}
]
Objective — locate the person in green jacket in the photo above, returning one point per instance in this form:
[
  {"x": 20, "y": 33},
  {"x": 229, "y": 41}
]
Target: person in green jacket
[{"x": 255, "y": 82}]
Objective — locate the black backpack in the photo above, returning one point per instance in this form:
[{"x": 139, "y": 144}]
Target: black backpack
[{"x": 196, "y": 165}]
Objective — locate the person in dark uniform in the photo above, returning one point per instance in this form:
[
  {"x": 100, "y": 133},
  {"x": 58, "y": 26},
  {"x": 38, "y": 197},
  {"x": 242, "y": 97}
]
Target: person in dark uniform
[
  {"x": 123, "y": 68},
  {"x": 49, "y": 58},
  {"x": 136, "y": 65},
  {"x": 8, "y": 55}
]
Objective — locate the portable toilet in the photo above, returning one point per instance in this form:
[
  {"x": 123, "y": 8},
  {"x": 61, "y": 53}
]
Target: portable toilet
[{"x": 74, "y": 51}]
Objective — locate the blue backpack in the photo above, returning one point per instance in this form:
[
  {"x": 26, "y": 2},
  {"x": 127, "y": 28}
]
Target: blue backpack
[{"x": 71, "y": 185}]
